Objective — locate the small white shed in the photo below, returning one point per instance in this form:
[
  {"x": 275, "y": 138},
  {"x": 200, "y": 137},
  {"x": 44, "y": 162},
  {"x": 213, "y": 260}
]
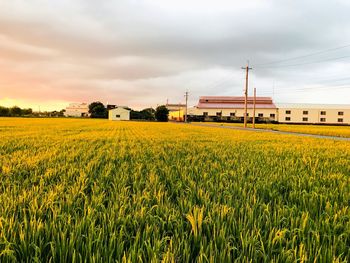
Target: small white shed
[{"x": 119, "y": 114}]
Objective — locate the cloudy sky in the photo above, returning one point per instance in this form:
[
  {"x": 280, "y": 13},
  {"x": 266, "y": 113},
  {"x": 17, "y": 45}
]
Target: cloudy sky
[{"x": 142, "y": 52}]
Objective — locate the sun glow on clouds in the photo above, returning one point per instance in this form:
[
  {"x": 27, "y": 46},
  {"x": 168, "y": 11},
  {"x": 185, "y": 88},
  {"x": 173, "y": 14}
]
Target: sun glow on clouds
[{"x": 139, "y": 53}]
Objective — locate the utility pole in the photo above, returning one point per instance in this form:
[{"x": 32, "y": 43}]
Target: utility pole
[
  {"x": 186, "y": 96},
  {"x": 247, "y": 68},
  {"x": 254, "y": 108}
]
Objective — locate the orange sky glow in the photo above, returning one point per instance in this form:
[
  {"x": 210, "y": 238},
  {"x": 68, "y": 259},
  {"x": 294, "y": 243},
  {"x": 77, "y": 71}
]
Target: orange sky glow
[{"x": 142, "y": 53}]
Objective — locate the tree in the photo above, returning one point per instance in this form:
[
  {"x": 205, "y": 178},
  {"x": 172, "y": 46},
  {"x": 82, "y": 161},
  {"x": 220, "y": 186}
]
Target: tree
[
  {"x": 135, "y": 115},
  {"x": 61, "y": 113},
  {"x": 162, "y": 113},
  {"x": 148, "y": 114},
  {"x": 4, "y": 111},
  {"x": 98, "y": 110},
  {"x": 28, "y": 111},
  {"x": 145, "y": 114},
  {"x": 15, "y": 111}
]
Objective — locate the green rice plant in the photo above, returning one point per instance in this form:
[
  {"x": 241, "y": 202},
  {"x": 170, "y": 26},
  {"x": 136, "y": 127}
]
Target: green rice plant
[{"x": 97, "y": 191}]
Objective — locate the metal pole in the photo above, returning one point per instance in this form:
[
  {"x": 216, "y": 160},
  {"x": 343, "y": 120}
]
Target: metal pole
[
  {"x": 247, "y": 68},
  {"x": 254, "y": 108},
  {"x": 186, "y": 96}
]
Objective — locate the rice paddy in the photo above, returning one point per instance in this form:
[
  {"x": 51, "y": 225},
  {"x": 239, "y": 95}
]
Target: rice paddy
[
  {"x": 99, "y": 191},
  {"x": 328, "y": 130}
]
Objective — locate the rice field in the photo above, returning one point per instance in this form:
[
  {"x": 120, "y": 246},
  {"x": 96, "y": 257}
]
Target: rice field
[
  {"x": 98, "y": 191},
  {"x": 328, "y": 130},
  {"x": 340, "y": 131}
]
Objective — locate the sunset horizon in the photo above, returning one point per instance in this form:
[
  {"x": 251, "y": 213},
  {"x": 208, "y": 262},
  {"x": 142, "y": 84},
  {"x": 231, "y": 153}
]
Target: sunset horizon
[
  {"x": 174, "y": 131},
  {"x": 143, "y": 54}
]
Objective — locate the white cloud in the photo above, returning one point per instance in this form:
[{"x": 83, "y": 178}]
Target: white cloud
[{"x": 142, "y": 52}]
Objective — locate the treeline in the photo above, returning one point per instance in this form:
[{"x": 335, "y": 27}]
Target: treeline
[
  {"x": 159, "y": 114},
  {"x": 145, "y": 114},
  {"x": 98, "y": 110},
  {"x": 15, "y": 111}
]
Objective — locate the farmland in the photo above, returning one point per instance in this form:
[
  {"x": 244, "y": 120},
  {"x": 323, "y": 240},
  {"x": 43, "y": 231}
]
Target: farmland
[
  {"x": 340, "y": 131},
  {"x": 328, "y": 130},
  {"x": 100, "y": 191}
]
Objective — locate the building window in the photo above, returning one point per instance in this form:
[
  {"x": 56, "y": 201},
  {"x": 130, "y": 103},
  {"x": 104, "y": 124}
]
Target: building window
[
  {"x": 205, "y": 113},
  {"x": 288, "y": 112},
  {"x": 323, "y": 120},
  {"x": 305, "y": 119},
  {"x": 260, "y": 115},
  {"x": 218, "y": 113},
  {"x": 118, "y": 116},
  {"x": 272, "y": 115},
  {"x": 341, "y": 113},
  {"x": 340, "y": 120},
  {"x": 287, "y": 118},
  {"x": 323, "y": 113},
  {"x": 232, "y": 114},
  {"x": 305, "y": 112}
]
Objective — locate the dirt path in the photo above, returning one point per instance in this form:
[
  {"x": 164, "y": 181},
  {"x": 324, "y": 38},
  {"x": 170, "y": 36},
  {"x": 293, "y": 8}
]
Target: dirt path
[{"x": 273, "y": 131}]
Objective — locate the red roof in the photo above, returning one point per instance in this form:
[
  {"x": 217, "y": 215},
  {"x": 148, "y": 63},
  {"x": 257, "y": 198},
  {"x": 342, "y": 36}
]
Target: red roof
[{"x": 233, "y": 102}]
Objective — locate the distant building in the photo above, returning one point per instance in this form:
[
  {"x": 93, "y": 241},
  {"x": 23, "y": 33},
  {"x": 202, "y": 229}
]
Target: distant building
[
  {"x": 230, "y": 108},
  {"x": 77, "y": 110},
  {"x": 175, "y": 107},
  {"x": 176, "y": 115},
  {"x": 314, "y": 113},
  {"x": 119, "y": 114}
]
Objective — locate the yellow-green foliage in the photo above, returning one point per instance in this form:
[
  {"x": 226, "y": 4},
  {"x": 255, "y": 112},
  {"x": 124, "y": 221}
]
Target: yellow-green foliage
[
  {"x": 342, "y": 131},
  {"x": 339, "y": 131},
  {"x": 99, "y": 191}
]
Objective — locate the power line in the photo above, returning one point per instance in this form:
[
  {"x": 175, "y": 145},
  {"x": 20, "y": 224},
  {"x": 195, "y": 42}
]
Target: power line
[
  {"x": 306, "y": 89},
  {"x": 220, "y": 82},
  {"x": 231, "y": 75},
  {"x": 307, "y": 63},
  {"x": 224, "y": 78},
  {"x": 315, "y": 83},
  {"x": 287, "y": 86},
  {"x": 303, "y": 56},
  {"x": 328, "y": 78}
]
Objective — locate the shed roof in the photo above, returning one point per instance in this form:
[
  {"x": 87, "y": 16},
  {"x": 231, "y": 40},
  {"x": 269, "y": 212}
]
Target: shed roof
[
  {"x": 175, "y": 105},
  {"x": 120, "y": 109},
  {"x": 234, "y": 102}
]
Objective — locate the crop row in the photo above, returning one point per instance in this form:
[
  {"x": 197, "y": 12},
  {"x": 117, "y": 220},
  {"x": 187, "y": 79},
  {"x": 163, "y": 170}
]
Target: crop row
[{"x": 99, "y": 191}]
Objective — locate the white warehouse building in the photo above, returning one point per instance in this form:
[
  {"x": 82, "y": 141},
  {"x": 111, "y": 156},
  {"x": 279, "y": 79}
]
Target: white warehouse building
[
  {"x": 314, "y": 113},
  {"x": 230, "y": 108},
  {"x": 119, "y": 114}
]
